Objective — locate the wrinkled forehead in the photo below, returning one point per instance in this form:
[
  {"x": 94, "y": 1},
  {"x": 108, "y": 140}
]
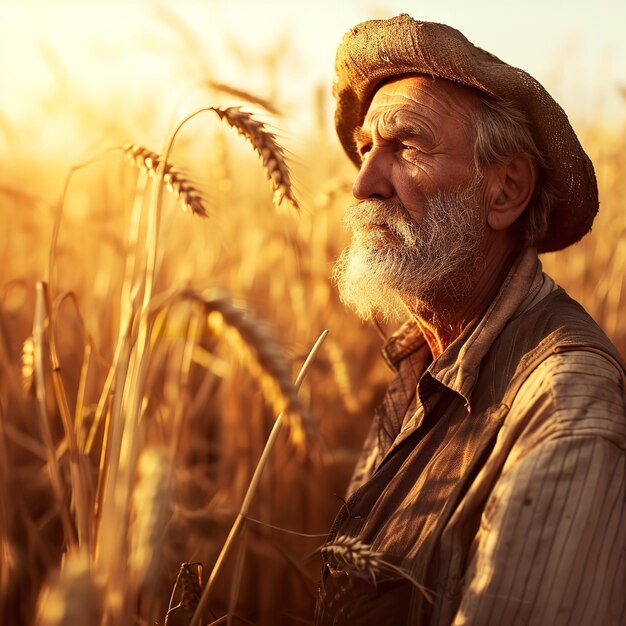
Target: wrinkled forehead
[{"x": 436, "y": 99}]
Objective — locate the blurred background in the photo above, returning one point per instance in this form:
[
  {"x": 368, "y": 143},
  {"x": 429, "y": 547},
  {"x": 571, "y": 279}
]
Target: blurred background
[
  {"x": 79, "y": 80},
  {"x": 71, "y": 69}
]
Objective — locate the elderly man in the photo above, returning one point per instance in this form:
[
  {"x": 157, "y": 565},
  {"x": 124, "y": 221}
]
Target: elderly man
[{"x": 491, "y": 486}]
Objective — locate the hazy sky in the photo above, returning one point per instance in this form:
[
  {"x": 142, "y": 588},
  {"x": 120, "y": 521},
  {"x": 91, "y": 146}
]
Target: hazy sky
[{"x": 576, "y": 48}]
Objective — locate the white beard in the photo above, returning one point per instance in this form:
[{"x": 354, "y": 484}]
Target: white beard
[{"x": 432, "y": 263}]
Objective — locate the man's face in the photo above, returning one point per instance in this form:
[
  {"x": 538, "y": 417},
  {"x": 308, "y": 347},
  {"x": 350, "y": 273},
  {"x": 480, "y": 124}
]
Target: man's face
[{"x": 418, "y": 227}]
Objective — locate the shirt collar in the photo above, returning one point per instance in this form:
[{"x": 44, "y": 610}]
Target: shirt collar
[
  {"x": 457, "y": 367},
  {"x": 404, "y": 342}
]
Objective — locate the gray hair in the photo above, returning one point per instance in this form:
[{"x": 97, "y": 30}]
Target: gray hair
[{"x": 500, "y": 132}]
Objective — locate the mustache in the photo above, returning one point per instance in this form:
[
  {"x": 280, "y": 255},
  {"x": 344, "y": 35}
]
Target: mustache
[{"x": 390, "y": 214}]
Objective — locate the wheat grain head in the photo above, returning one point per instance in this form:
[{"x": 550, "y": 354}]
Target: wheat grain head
[
  {"x": 149, "y": 516},
  {"x": 28, "y": 364},
  {"x": 256, "y": 346},
  {"x": 174, "y": 179},
  {"x": 346, "y": 551},
  {"x": 350, "y": 552},
  {"x": 260, "y": 352},
  {"x": 264, "y": 143}
]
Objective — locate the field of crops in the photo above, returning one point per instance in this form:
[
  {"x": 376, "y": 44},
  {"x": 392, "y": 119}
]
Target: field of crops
[{"x": 153, "y": 320}]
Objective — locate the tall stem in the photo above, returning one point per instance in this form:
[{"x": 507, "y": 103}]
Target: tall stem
[{"x": 252, "y": 488}]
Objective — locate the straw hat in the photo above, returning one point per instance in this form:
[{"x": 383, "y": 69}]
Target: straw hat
[{"x": 377, "y": 50}]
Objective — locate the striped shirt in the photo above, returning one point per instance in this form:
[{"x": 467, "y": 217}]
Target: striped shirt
[
  {"x": 550, "y": 547},
  {"x": 494, "y": 475}
]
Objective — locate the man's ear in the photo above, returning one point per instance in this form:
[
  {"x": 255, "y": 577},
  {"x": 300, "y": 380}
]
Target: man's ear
[{"x": 510, "y": 186}]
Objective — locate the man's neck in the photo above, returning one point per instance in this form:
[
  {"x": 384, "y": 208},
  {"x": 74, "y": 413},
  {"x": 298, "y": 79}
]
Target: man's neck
[{"x": 442, "y": 320}]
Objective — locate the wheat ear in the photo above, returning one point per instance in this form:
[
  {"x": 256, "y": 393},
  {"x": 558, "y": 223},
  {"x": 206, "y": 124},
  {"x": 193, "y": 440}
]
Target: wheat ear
[
  {"x": 28, "y": 364},
  {"x": 352, "y": 553},
  {"x": 341, "y": 376},
  {"x": 150, "y": 514},
  {"x": 264, "y": 143},
  {"x": 173, "y": 178},
  {"x": 258, "y": 350}
]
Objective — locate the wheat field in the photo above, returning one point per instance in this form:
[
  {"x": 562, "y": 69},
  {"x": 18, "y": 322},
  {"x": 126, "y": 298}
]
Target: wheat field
[{"x": 158, "y": 304}]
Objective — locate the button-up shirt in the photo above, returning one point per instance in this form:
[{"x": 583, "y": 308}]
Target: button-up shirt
[{"x": 493, "y": 475}]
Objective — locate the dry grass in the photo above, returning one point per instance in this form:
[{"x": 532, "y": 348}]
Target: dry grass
[{"x": 137, "y": 398}]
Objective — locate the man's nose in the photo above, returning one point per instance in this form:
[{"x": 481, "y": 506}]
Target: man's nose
[{"x": 374, "y": 177}]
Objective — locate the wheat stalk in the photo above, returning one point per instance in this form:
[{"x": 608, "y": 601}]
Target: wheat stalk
[
  {"x": 80, "y": 478},
  {"x": 264, "y": 143},
  {"x": 174, "y": 179},
  {"x": 244, "y": 95},
  {"x": 252, "y": 488},
  {"x": 131, "y": 373},
  {"x": 341, "y": 376},
  {"x": 53, "y": 467}
]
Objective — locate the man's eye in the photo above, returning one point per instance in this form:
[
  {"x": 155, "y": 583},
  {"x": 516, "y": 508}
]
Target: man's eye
[
  {"x": 364, "y": 149},
  {"x": 408, "y": 147}
]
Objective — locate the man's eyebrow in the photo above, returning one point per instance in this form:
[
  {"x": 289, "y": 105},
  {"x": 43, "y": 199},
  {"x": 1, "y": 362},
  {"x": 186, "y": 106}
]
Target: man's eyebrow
[
  {"x": 398, "y": 128},
  {"x": 361, "y": 136},
  {"x": 402, "y": 128}
]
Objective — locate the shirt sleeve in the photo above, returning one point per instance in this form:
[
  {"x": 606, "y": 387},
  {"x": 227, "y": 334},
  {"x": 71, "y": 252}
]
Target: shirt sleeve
[{"x": 551, "y": 544}]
